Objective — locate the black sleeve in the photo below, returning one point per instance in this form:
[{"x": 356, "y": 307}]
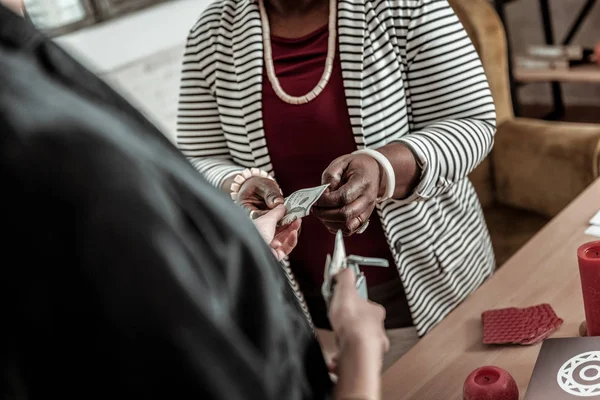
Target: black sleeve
[
  {"x": 138, "y": 283},
  {"x": 125, "y": 273}
]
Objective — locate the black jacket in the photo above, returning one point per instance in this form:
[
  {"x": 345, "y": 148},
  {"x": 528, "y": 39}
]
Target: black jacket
[{"x": 124, "y": 273}]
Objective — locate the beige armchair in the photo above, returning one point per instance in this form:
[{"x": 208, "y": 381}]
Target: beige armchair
[{"x": 536, "y": 167}]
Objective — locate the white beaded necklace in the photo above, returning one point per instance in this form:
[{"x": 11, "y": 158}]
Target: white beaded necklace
[{"x": 271, "y": 67}]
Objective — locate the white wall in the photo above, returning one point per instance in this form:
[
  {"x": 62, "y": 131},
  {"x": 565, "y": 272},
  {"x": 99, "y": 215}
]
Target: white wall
[{"x": 140, "y": 55}]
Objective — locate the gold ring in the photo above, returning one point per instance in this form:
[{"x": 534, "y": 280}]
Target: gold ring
[{"x": 363, "y": 225}]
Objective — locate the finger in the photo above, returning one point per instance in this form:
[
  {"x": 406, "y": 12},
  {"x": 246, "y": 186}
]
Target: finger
[
  {"x": 272, "y": 216},
  {"x": 271, "y": 194},
  {"x": 346, "y": 194},
  {"x": 345, "y": 283},
  {"x": 267, "y": 223},
  {"x": 332, "y": 366},
  {"x": 344, "y": 213},
  {"x": 349, "y": 227},
  {"x": 386, "y": 344},
  {"x": 255, "y": 214},
  {"x": 333, "y": 228},
  {"x": 290, "y": 244},
  {"x": 286, "y": 230},
  {"x": 277, "y": 254},
  {"x": 290, "y": 241},
  {"x": 334, "y": 173}
]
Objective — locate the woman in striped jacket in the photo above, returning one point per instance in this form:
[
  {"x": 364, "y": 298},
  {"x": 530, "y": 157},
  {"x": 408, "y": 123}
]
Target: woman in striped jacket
[{"x": 295, "y": 87}]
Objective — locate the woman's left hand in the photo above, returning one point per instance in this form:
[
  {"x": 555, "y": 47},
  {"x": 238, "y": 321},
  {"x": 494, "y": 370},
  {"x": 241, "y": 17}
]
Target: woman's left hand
[
  {"x": 355, "y": 184},
  {"x": 282, "y": 240}
]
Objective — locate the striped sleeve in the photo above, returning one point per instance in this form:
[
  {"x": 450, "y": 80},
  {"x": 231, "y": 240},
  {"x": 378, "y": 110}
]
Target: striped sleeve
[
  {"x": 199, "y": 133},
  {"x": 453, "y": 114}
]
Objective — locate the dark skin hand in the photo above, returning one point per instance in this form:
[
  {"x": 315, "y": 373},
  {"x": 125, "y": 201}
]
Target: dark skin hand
[
  {"x": 357, "y": 181},
  {"x": 257, "y": 194}
]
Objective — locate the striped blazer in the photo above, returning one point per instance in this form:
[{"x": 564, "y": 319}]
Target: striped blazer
[{"x": 411, "y": 74}]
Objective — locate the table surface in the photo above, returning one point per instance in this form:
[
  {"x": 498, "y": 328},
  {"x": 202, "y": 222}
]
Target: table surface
[
  {"x": 545, "y": 270},
  {"x": 582, "y": 73}
]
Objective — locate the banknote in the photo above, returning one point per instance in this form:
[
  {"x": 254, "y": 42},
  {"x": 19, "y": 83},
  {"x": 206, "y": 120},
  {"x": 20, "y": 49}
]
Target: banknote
[{"x": 299, "y": 203}]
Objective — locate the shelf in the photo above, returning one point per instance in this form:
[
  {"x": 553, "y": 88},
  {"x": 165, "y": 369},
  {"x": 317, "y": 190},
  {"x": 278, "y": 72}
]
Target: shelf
[{"x": 583, "y": 73}]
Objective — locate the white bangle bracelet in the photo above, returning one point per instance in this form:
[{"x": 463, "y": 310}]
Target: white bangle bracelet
[
  {"x": 388, "y": 171},
  {"x": 243, "y": 176}
]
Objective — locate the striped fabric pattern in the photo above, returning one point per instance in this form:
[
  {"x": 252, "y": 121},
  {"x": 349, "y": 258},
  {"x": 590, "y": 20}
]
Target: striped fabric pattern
[{"x": 411, "y": 74}]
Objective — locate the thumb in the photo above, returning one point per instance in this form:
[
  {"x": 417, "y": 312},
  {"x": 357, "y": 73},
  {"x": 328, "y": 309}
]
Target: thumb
[
  {"x": 345, "y": 282},
  {"x": 274, "y": 215},
  {"x": 267, "y": 223},
  {"x": 334, "y": 173},
  {"x": 271, "y": 194},
  {"x": 273, "y": 200}
]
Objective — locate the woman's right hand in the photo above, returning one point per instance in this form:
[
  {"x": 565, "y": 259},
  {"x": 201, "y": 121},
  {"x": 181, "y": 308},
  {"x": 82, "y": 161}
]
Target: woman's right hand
[{"x": 258, "y": 195}]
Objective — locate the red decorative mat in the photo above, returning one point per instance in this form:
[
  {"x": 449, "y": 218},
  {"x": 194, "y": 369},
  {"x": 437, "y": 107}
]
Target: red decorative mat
[{"x": 523, "y": 326}]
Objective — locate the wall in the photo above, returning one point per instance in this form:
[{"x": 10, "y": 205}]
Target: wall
[
  {"x": 140, "y": 55},
  {"x": 524, "y": 21}
]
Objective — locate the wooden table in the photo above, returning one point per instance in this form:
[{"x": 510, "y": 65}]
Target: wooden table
[{"x": 544, "y": 271}]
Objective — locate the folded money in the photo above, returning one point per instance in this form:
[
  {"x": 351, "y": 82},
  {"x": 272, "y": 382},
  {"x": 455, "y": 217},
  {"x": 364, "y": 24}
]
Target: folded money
[{"x": 299, "y": 203}]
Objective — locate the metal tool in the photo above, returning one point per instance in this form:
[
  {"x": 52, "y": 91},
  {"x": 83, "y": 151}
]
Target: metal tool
[{"x": 339, "y": 260}]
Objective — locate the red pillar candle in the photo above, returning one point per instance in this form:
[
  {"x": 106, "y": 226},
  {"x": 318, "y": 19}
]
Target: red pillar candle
[
  {"x": 589, "y": 270},
  {"x": 490, "y": 383}
]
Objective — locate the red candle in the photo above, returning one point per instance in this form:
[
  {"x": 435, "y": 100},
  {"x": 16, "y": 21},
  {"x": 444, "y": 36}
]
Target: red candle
[
  {"x": 589, "y": 270},
  {"x": 490, "y": 383}
]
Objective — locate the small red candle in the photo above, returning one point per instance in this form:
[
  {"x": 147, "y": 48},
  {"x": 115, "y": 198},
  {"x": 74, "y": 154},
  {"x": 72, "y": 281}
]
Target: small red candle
[
  {"x": 589, "y": 270},
  {"x": 490, "y": 383}
]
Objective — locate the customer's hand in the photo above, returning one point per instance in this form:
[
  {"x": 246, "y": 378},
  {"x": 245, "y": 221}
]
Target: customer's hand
[
  {"x": 281, "y": 240},
  {"x": 354, "y": 320},
  {"x": 358, "y": 326},
  {"x": 259, "y": 195},
  {"x": 354, "y": 186}
]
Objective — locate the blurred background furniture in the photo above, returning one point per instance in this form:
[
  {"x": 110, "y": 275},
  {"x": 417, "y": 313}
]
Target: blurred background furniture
[
  {"x": 519, "y": 77},
  {"x": 536, "y": 167},
  {"x": 58, "y": 17}
]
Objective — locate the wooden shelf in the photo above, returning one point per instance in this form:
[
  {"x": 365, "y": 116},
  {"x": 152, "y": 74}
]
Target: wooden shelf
[{"x": 583, "y": 73}]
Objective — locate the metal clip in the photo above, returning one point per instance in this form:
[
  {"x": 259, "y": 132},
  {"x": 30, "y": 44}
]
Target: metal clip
[{"x": 334, "y": 264}]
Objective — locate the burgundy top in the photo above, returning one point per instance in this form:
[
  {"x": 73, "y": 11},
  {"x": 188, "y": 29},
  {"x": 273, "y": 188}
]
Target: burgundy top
[{"x": 303, "y": 140}]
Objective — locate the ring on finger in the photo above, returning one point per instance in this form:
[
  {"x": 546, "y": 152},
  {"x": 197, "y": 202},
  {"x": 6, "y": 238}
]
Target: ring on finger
[{"x": 363, "y": 225}]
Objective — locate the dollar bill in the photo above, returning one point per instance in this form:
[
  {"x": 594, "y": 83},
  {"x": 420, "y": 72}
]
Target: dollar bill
[{"x": 299, "y": 203}]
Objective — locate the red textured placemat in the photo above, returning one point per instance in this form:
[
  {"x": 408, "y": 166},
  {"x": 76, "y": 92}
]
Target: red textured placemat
[{"x": 519, "y": 325}]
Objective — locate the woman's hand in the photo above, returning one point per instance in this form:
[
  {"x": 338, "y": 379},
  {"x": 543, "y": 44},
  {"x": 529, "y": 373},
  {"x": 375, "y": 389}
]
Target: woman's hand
[
  {"x": 355, "y": 184},
  {"x": 281, "y": 240},
  {"x": 257, "y": 195}
]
